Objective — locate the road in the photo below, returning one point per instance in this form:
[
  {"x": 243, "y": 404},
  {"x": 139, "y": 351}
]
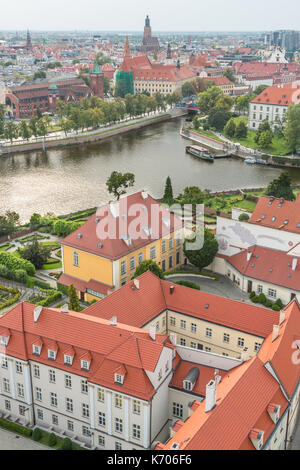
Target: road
[{"x": 11, "y": 441}]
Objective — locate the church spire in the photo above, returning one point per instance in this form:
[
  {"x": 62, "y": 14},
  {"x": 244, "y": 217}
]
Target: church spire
[
  {"x": 127, "y": 48},
  {"x": 28, "y": 41}
]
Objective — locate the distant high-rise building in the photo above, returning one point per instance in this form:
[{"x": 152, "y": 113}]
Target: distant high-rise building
[
  {"x": 288, "y": 40},
  {"x": 150, "y": 43}
]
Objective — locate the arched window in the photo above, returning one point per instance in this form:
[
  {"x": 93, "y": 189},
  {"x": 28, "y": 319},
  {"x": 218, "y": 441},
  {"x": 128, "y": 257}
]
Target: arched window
[{"x": 75, "y": 259}]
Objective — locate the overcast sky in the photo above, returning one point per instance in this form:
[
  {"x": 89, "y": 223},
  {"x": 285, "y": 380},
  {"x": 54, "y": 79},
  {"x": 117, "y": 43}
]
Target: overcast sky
[{"x": 166, "y": 15}]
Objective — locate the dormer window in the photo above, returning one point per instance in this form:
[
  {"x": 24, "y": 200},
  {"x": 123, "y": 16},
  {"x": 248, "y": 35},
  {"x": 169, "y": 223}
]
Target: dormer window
[
  {"x": 68, "y": 360},
  {"x": 119, "y": 379},
  {"x": 52, "y": 354},
  {"x": 187, "y": 385},
  {"x": 85, "y": 365},
  {"x": 36, "y": 350},
  {"x": 4, "y": 340}
]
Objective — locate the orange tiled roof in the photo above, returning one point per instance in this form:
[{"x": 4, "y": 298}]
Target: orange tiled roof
[
  {"x": 277, "y": 213},
  {"x": 281, "y": 95}
]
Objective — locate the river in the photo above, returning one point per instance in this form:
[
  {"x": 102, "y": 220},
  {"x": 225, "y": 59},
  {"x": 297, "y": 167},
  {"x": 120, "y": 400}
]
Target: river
[{"x": 73, "y": 178}]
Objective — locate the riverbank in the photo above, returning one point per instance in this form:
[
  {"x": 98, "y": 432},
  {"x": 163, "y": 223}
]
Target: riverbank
[{"x": 85, "y": 138}]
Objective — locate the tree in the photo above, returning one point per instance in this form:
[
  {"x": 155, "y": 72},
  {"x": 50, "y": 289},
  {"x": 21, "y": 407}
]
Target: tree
[
  {"x": 292, "y": 128},
  {"x": 242, "y": 103},
  {"x": 281, "y": 187},
  {"x": 39, "y": 75},
  {"x": 67, "y": 444},
  {"x": 191, "y": 195},
  {"x": 35, "y": 220},
  {"x": 187, "y": 89},
  {"x": 224, "y": 102},
  {"x": 208, "y": 99},
  {"x": 168, "y": 195},
  {"x": 263, "y": 127},
  {"x": 24, "y": 130},
  {"x": 9, "y": 223},
  {"x": 33, "y": 126},
  {"x": 244, "y": 217},
  {"x": 117, "y": 183},
  {"x": 74, "y": 304},
  {"x": 218, "y": 118},
  {"x": 230, "y": 128},
  {"x": 205, "y": 256},
  {"x": 241, "y": 130},
  {"x": 258, "y": 90},
  {"x": 229, "y": 74},
  {"x": 36, "y": 253},
  {"x": 10, "y": 131},
  {"x": 149, "y": 265},
  {"x": 65, "y": 125},
  {"x": 106, "y": 85},
  {"x": 265, "y": 140}
]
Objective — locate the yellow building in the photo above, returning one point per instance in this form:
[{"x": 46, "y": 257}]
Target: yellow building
[{"x": 104, "y": 253}]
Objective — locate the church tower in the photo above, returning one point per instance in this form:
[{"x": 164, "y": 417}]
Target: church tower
[
  {"x": 28, "y": 42},
  {"x": 147, "y": 29},
  {"x": 96, "y": 79},
  {"x": 127, "y": 48}
]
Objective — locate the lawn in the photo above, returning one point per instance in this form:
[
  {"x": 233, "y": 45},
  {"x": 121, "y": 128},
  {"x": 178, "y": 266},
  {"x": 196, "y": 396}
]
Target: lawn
[
  {"x": 57, "y": 265},
  {"x": 278, "y": 147},
  {"x": 225, "y": 204}
]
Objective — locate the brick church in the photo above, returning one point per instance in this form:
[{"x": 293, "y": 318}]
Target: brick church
[
  {"x": 150, "y": 43},
  {"x": 23, "y": 101}
]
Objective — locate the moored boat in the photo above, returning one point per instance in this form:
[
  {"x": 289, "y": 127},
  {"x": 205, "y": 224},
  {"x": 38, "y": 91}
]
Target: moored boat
[{"x": 199, "y": 152}]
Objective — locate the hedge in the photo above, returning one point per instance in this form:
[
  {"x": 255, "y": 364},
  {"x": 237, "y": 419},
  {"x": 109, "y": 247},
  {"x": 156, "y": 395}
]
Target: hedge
[
  {"x": 13, "y": 263},
  {"x": 190, "y": 284},
  {"x": 62, "y": 288},
  {"x": 51, "y": 299},
  {"x": 11, "y": 301},
  {"x": 14, "y": 427}
]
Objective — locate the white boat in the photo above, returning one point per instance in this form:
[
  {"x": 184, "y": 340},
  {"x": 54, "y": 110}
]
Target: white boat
[{"x": 250, "y": 161}]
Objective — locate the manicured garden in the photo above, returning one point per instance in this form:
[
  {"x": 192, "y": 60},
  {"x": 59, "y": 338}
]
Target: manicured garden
[{"x": 8, "y": 296}]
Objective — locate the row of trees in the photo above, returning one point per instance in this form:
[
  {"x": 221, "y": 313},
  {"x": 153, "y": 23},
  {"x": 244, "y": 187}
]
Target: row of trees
[{"x": 37, "y": 127}]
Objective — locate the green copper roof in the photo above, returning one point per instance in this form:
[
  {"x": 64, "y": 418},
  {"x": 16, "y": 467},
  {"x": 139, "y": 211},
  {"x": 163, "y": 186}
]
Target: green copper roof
[
  {"x": 96, "y": 69},
  {"x": 53, "y": 87}
]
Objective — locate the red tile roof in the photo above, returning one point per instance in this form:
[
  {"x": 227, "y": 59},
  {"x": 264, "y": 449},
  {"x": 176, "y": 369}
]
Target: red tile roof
[
  {"x": 138, "y": 307},
  {"x": 88, "y": 237},
  {"x": 268, "y": 265},
  {"x": 280, "y": 95},
  {"x": 92, "y": 339},
  {"x": 271, "y": 212},
  {"x": 82, "y": 286}
]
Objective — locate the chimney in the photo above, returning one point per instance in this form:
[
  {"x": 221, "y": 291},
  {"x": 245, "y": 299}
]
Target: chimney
[
  {"x": 152, "y": 332},
  {"x": 249, "y": 254},
  {"x": 275, "y": 332},
  {"x": 136, "y": 284},
  {"x": 294, "y": 264},
  {"x": 172, "y": 288},
  {"x": 211, "y": 396},
  {"x": 113, "y": 321},
  {"x": 245, "y": 355},
  {"x": 281, "y": 317},
  {"x": 65, "y": 308},
  {"x": 36, "y": 313},
  {"x": 173, "y": 338}
]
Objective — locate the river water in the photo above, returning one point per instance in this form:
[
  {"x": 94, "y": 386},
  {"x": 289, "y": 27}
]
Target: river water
[{"x": 73, "y": 178}]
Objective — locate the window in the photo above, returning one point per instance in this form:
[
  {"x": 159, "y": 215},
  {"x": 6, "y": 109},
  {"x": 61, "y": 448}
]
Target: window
[
  {"x": 68, "y": 360},
  {"x": 85, "y": 410},
  {"x": 182, "y": 342},
  {"x": 171, "y": 262},
  {"x": 70, "y": 425},
  {"x": 183, "y": 324},
  {"x": 123, "y": 267},
  {"x": 272, "y": 293},
  {"x": 52, "y": 376},
  {"x": 141, "y": 257},
  {"x": 7, "y": 405},
  {"x": 84, "y": 386},
  {"x": 6, "y": 385},
  {"x": 101, "y": 395},
  {"x": 101, "y": 441},
  {"x": 118, "y": 446},
  {"x": 226, "y": 338},
  {"x": 164, "y": 246},
  {"x": 119, "y": 379},
  {"x": 136, "y": 431},
  {"x": 160, "y": 374},
  {"x": 208, "y": 349},
  {"x": 208, "y": 332},
  {"x": 187, "y": 385},
  {"x": 51, "y": 355},
  {"x": 257, "y": 347},
  {"x": 152, "y": 252},
  {"x": 4, "y": 363},
  {"x": 193, "y": 345},
  {"x": 75, "y": 259},
  {"x": 132, "y": 263},
  {"x": 137, "y": 407},
  {"x": 20, "y": 389},
  {"x": 85, "y": 431},
  {"x": 53, "y": 399},
  {"x": 118, "y": 425},
  {"x": 38, "y": 394},
  {"x": 36, "y": 371},
  {"x": 178, "y": 257},
  {"x": 40, "y": 415},
  {"x": 193, "y": 327},
  {"x": 167, "y": 366},
  {"x": 101, "y": 419},
  {"x": 36, "y": 350},
  {"x": 22, "y": 410},
  {"x": 177, "y": 410},
  {"x": 172, "y": 321},
  {"x": 19, "y": 368},
  {"x": 118, "y": 401},
  {"x": 68, "y": 381},
  {"x": 55, "y": 420},
  {"x": 259, "y": 289},
  {"x": 241, "y": 342},
  {"x": 157, "y": 326},
  {"x": 85, "y": 365},
  {"x": 171, "y": 243},
  {"x": 69, "y": 405}
]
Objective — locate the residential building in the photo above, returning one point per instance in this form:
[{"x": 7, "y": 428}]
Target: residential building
[
  {"x": 97, "y": 262},
  {"x": 272, "y": 104}
]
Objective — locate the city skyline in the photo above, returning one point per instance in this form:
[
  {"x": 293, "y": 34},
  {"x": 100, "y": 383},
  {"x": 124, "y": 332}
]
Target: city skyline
[{"x": 231, "y": 16}]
